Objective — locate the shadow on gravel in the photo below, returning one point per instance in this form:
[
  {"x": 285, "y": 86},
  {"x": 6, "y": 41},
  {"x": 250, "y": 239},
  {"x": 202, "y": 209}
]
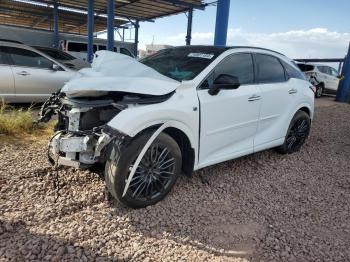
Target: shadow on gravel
[
  {"x": 206, "y": 212},
  {"x": 17, "y": 242}
]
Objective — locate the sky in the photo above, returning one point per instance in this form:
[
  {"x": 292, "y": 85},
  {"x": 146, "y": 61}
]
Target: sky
[{"x": 297, "y": 28}]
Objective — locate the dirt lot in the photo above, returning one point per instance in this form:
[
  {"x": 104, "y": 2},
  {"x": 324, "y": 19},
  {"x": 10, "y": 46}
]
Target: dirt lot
[{"x": 264, "y": 207}]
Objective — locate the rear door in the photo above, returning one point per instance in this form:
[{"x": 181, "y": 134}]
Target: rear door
[
  {"x": 35, "y": 80},
  {"x": 7, "y": 83},
  {"x": 277, "y": 100}
]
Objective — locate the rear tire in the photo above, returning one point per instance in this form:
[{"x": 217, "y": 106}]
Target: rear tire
[
  {"x": 298, "y": 132},
  {"x": 319, "y": 90},
  {"x": 155, "y": 175}
]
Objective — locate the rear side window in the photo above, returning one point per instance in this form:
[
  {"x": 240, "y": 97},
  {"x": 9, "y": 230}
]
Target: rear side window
[
  {"x": 77, "y": 47},
  {"x": 324, "y": 69},
  {"x": 56, "y": 54},
  {"x": 292, "y": 72},
  {"x": 3, "y": 57},
  {"x": 239, "y": 66},
  {"x": 306, "y": 68},
  {"x": 28, "y": 58},
  {"x": 321, "y": 69},
  {"x": 269, "y": 69}
]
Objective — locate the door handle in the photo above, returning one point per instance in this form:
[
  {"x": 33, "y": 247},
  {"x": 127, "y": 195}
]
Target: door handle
[
  {"x": 254, "y": 98},
  {"x": 23, "y": 73},
  {"x": 293, "y": 91}
]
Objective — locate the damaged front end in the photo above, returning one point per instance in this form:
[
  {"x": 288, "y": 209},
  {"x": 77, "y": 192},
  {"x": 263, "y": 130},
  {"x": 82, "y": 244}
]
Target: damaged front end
[{"x": 82, "y": 135}]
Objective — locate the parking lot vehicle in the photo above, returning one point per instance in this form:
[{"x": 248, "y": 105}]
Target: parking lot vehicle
[
  {"x": 64, "y": 58},
  {"x": 73, "y": 44},
  {"x": 325, "y": 78},
  {"x": 78, "y": 49},
  {"x": 28, "y": 75},
  {"x": 179, "y": 110}
]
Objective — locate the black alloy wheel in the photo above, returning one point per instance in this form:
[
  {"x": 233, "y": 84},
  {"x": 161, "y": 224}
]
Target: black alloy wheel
[
  {"x": 297, "y": 134},
  {"x": 155, "y": 175}
]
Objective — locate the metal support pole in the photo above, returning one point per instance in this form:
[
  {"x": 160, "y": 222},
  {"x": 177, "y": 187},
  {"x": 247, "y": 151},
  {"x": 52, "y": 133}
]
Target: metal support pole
[
  {"x": 222, "y": 15},
  {"x": 339, "y": 66},
  {"x": 90, "y": 31},
  {"x": 189, "y": 26},
  {"x": 344, "y": 84},
  {"x": 110, "y": 25},
  {"x": 55, "y": 25},
  {"x": 137, "y": 26}
]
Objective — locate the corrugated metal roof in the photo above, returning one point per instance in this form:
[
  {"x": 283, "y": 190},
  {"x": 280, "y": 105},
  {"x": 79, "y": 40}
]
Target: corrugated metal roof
[{"x": 72, "y": 14}]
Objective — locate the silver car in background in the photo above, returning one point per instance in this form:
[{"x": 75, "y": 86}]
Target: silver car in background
[{"x": 28, "y": 75}]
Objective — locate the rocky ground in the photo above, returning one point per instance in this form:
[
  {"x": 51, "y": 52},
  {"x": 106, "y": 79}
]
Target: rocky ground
[{"x": 264, "y": 207}]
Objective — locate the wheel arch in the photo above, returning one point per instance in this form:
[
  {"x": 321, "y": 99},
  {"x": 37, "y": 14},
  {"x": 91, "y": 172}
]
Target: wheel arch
[
  {"x": 306, "y": 110},
  {"x": 183, "y": 139}
]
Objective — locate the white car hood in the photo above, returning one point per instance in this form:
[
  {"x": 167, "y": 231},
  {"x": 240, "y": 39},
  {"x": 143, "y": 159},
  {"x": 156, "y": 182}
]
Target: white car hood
[{"x": 112, "y": 71}]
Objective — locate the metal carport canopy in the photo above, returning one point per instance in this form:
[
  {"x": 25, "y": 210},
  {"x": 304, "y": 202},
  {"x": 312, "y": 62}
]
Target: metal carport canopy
[{"x": 72, "y": 13}]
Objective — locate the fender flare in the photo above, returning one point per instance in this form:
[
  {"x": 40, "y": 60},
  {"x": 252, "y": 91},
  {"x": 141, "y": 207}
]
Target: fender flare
[
  {"x": 170, "y": 123},
  {"x": 301, "y": 105}
]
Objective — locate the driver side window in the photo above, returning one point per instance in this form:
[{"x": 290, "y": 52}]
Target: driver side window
[{"x": 239, "y": 66}]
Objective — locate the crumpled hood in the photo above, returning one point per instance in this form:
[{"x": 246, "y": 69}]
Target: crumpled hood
[{"x": 112, "y": 71}]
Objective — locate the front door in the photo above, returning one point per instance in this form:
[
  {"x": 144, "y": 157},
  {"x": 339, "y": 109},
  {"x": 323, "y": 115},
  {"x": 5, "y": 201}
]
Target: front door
[
  {"x": 228, "y": 120},
  {"x": 7, "y": 83}
]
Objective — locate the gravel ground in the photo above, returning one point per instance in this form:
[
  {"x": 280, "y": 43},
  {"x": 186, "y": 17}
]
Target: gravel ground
[{"x": 263, "y": 207}]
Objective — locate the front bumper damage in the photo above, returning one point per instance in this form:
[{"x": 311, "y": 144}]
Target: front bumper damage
[
  {"x": 78, "y": 151},
  {"x": 81, "y": 136}
]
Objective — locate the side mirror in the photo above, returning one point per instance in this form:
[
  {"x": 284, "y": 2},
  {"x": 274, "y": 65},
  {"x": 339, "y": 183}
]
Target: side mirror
[{"x": 223, "y": 81}]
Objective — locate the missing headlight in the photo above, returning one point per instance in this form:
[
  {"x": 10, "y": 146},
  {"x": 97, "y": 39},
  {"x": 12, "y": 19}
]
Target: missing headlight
[{"x": 97, "y": 117}]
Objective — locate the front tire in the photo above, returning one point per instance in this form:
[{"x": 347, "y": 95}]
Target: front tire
[
  {"x": 298, "y": 132},
  {"x": 155, "y": 175}
]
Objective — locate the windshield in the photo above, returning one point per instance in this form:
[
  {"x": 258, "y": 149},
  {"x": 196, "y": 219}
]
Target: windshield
[{"x": 182, "y": 63}]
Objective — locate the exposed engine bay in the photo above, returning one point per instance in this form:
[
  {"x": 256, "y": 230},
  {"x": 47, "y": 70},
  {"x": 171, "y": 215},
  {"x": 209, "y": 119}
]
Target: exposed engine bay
[{"x": 82, "y": 135}]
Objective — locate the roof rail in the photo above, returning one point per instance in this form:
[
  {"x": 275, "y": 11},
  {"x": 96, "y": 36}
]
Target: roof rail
[
  {"x": 259, "y": 48},
  {"x": 10, "y": 41}
]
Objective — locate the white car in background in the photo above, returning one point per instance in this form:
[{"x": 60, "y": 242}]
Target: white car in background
[
  {"x": 179, "y": 110},
  {"x": 28, "y": 75},
  {"x": 323, "y": 77}
]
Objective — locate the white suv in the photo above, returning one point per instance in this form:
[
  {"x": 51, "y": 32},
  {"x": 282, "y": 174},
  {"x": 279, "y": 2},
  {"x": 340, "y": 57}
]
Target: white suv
[
  {"x": 179, "y": 110},
  {"x": 323, "y": 77}
]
